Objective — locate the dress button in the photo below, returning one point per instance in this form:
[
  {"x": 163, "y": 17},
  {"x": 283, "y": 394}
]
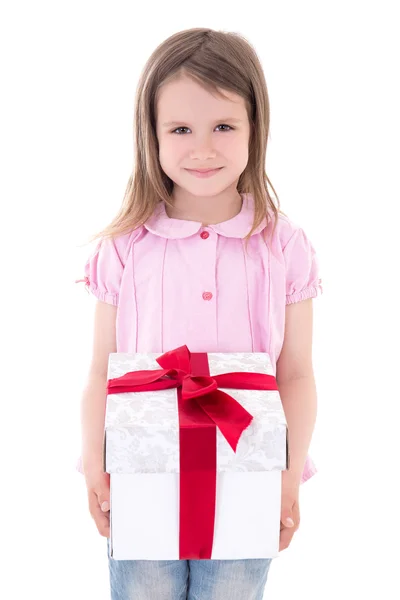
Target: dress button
[
  {"x": 207, "y": 295},
  {"x": 204, "y": 235}
]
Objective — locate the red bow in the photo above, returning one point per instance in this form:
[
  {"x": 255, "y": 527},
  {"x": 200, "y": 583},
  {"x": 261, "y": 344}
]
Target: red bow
[{"x": 201, "y": 407}]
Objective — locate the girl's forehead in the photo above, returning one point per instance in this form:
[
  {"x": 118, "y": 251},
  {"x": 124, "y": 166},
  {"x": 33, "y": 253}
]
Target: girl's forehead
[
  {"x": 178, "y": 98},
  {"x": 191, "y": 87}
]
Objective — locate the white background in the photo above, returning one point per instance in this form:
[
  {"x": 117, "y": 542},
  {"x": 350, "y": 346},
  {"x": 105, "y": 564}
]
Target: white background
[{"x": 68, "y": 73}]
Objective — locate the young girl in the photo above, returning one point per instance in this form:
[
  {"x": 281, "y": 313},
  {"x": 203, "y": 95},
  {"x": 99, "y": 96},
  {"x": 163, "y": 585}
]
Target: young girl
[{"x": 200, "y": 255}]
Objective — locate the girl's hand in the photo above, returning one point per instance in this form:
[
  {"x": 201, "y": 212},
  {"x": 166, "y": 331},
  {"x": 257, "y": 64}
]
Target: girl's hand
[
  {"x": 289, "y": 510},
  {"x": 98, "y": 489}
]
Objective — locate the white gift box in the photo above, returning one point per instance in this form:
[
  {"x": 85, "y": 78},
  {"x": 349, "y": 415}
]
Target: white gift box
[{"x": 141, "y": 454}]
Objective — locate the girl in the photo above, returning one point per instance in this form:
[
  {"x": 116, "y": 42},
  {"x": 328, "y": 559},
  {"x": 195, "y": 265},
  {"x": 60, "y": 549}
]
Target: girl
[{"x": 200, "y": 255}]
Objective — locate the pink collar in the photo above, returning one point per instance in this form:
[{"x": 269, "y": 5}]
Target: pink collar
[{"x": 238, "y": 227}]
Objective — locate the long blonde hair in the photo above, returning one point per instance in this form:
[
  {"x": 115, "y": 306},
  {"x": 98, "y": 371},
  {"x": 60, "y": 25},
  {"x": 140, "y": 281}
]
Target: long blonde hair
[{"x": 214, "y": 59}]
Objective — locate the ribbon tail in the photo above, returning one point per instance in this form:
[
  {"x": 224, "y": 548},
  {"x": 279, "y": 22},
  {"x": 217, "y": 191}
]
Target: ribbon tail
[{"x": 228, "y": 414}]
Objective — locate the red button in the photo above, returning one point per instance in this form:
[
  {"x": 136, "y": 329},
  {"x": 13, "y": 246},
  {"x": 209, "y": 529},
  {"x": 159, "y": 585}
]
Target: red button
[
  {"x": 207, "y": 295},
  {"x": 204, "y": 235}
]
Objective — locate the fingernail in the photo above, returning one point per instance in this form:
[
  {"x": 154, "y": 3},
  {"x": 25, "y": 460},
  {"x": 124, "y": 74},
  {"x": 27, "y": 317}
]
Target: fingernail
[
  {"x": 104, "y": 506},
  {"x": 289, "y": 522}
]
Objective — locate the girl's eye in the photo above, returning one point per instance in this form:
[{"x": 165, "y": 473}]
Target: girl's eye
[{"x": 221, "y": 125}]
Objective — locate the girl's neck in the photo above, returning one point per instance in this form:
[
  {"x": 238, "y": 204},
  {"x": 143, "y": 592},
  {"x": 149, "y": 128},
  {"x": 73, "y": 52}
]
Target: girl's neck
[{"x": 207, "y": 210}]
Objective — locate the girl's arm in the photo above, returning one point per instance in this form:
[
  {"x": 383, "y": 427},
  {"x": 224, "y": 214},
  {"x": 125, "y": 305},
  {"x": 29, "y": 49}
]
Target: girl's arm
[
  {"x": 299, "y": 400},
  {"x": 94, "y": 397},
  {"x": 296, "y": 383}
]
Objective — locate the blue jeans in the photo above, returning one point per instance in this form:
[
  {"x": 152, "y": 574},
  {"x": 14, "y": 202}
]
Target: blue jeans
[{"x": 188, "y": 579}]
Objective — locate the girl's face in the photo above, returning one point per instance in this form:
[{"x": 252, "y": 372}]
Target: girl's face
[{"x": 196, "y": 130}]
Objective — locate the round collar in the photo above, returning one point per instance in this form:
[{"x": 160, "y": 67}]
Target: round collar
[{"x": 238, "y": 227}]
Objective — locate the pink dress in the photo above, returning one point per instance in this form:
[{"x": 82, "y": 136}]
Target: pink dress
[{"x": 177, "y": 282}]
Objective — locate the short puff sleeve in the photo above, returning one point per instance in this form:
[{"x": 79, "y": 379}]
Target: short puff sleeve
[
  {"x": 302, "y": 268},
  {"x": 103, "y": 270}
]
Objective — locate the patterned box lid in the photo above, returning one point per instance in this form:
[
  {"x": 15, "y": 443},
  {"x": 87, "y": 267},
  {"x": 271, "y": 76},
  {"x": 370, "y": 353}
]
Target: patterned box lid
[{"x": 142, "y": 428}]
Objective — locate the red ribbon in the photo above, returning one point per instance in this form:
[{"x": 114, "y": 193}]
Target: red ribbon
[{"x": 201, "y": 408}]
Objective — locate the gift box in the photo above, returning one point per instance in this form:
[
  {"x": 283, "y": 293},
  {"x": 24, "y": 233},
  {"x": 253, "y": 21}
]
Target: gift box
[{"x": 195, "y": 445}]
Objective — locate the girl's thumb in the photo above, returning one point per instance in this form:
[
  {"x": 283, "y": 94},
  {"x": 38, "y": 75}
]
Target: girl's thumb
[
  {"x": 286, "y": 519},
  {"x": 104, "y": 503}
]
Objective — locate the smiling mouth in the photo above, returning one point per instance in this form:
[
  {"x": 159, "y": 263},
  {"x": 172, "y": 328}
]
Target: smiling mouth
[{"x": 205, "y": 170}]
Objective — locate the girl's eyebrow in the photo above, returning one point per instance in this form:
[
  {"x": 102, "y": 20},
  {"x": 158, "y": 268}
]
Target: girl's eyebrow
[{"x": 171, "y": 123}]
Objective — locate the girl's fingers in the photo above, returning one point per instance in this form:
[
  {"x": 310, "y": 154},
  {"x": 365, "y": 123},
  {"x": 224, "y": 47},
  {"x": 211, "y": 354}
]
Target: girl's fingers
[
  {"x": 285, "y": 537},
  {"x": 101, "y": 518}
]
